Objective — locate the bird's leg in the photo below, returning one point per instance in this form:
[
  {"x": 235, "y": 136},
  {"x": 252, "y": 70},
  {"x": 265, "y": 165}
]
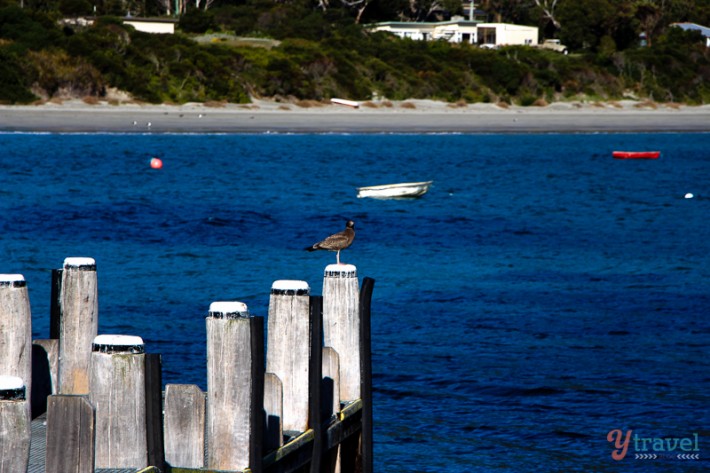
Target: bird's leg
[{"x": 337, "y": 256}]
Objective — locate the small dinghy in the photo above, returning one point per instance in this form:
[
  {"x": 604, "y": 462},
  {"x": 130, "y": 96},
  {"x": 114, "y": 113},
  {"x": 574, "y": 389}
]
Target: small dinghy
[{"x": 404, "y": 190}]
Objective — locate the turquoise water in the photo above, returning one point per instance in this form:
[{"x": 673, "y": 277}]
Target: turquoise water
[{"x": 541, "y": 295}]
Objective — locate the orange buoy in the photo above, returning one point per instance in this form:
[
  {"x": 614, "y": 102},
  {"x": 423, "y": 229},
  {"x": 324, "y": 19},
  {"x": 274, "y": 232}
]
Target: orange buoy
[{"x": 156, "y": 163}]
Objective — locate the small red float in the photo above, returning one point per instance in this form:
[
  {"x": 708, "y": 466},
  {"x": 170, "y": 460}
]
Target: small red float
[{"x": 156, "y": 163}]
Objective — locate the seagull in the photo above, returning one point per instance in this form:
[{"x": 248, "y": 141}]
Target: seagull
[{"x": 336, "y": 242}]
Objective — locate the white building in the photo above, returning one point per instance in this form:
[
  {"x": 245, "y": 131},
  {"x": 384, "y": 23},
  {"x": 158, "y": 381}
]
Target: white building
[
  {"x": 152, "y": 25},
  {"x": 506, "y": 34},
  {"x": 458, "y": 30}
]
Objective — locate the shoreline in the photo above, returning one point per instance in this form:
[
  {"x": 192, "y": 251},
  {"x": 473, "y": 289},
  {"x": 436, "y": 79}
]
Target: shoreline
[{"x": 411, "y": 116}]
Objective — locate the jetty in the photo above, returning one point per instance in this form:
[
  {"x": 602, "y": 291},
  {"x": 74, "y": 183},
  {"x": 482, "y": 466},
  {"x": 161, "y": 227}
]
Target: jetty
[{"x": 81, "y": 402}]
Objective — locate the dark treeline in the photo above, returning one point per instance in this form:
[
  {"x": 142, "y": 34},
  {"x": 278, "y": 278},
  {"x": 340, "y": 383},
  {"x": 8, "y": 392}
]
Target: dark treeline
[{"x": 321, "y": 50}]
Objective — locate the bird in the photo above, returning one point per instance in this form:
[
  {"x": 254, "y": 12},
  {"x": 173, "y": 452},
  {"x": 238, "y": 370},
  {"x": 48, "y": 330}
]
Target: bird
[{"x": 337, "y": 241}]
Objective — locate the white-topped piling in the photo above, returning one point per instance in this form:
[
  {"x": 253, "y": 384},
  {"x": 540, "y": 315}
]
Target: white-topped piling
[
  {"x": 15, "y": 432},
  {"x": 288, "y": 349},
  {"x": 79, "y": 323},
  {"x": 117, "y": 391},
  {"x": 235, "y": 387},
  {"x": 15, "y": 329},
  {"x": 341, "y": 324}
]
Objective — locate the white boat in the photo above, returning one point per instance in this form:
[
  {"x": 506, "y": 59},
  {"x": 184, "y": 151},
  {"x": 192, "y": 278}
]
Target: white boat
[
  {"x": 347, "y": 103},
  {"x": 395, "y": 191}
]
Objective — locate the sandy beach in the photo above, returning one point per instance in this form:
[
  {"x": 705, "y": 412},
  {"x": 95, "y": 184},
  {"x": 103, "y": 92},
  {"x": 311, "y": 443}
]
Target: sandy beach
[{"x": 412, "y": 116}]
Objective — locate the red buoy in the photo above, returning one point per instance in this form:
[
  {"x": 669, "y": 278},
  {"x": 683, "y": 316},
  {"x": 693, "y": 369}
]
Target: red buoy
[{"x": 156, "y": 163}]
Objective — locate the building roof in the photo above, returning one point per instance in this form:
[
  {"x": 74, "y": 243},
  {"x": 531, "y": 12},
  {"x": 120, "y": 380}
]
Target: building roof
[
  {"x": 704, "y": 30},
  {"x": 419, "y": 24}
]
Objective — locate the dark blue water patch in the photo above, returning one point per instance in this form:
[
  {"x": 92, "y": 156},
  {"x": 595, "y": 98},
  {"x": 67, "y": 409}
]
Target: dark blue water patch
[{"x": 538, "y": 296}]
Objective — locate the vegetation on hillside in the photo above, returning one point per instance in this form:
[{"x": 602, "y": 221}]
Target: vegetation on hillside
[{"x": 323, "y": 51}]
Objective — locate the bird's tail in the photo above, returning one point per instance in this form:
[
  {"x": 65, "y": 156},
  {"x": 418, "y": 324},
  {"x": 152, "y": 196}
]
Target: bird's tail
[{"x": 310, "y": 248}]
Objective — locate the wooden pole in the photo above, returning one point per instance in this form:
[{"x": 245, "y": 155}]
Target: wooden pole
[
  {"x": 341, "y": 324},
  {"x": 117, "y": 391},
  {"x": 71, "y": 434},
  {"x": 235, "y": 387},
  {"x": 79, "y": 323},
  {"x": 16, "y": 330},
  {"x": 288, "y": 342},
  {"x": 366, "y": 444},
  {"x": 15, "y": 430},
  {"x": 184, "y": 426}
]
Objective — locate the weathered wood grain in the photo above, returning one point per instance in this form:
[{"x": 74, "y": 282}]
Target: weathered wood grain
[
  {"x": 341, "y": 324},
  {"x": 184, "y": 426},
  {"x": 117, "y": 391},
  {"x": 288, "y": 342},
  {"x": 15, "y": 432},
  {"x": 235, "y": 388},
  {"x": 16, "y": 330},
  {"x": 79, "y": 322},
  {"x": 70, "y": 434}
]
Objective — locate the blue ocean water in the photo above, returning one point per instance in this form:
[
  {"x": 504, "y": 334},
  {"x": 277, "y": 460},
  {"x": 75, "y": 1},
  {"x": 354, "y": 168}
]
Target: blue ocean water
[{"x": 541, "y": 295}]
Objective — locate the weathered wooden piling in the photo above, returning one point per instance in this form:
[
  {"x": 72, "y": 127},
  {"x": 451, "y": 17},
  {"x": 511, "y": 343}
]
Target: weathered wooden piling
[
  {"x": 71, "y": 434},
  {"x": 341, "y": 324},
  {"x": 79, "y": 323},
  {"x": 117, "y": 391},
  {"x": 289, "y": 344},
  {"x": 15, "y": 330},
  {"x": 15, "y": 429},
  {"x": 320, "y": 379},
  {"x": 235, "y": 387},
  {"x": 184, "y": 426}
]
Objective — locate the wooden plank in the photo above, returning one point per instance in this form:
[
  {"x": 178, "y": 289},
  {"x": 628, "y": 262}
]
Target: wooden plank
[
  {"x": 15, "y": 431},
  {"x": 117, "y": 391},
  {"x": 16, "y": 330},
  {"x": 184, "y": 426},
  {"x": 289, "y": 344},
  {"x": 79, "y": 324},
  {"x": 154, "y": 410},
  {"x": 273, "y": 410},
  {"x": 235, "y": 387},
  {"x": 70, "y": 434},
  {"x": 341, "y": 324}
]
